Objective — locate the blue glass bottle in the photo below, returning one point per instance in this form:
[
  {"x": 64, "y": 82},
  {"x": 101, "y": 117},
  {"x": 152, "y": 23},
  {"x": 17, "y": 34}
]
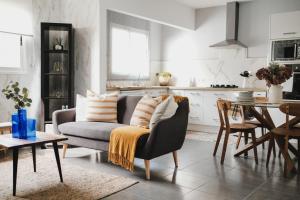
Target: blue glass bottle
[
  {"x": 15, "y": 125},
  {"x": 22, "y": 123}
]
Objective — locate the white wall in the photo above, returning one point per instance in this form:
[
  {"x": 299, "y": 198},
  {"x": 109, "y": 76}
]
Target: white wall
[
  {"x": 187, "y": 54},
  {"x": 85, "y": 18},
  {"x": 163, "y": 11}
]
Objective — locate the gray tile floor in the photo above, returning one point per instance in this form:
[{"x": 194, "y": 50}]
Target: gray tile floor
[{"x": 199, "y": 176}]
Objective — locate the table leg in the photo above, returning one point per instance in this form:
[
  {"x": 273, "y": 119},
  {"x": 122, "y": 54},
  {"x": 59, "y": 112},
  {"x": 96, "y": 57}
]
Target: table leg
[
  {"x": 55, "y": 147},
  {"x": 271, "y": 146},
  {"x": 246, "y": 142},
  {"x": 286, "y": 156},
  {"x": 15, "y": 169},
  {"x": 34, "y": 157}
]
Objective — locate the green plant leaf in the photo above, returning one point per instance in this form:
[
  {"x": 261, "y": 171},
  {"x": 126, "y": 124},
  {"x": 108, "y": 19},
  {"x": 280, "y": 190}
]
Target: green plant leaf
[{"x": 17, "y": 90}]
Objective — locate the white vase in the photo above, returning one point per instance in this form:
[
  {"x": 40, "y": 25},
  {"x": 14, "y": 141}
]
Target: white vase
[
  {"x": 275, "y": 94},
  {"x": 246, "y": 83}
]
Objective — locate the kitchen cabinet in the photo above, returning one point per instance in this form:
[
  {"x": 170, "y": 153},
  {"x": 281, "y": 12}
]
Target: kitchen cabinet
[
  {"x": 203, "y": 108},
  {"x": 285, "y": 25},
  {"x": 152, "y": 92}
]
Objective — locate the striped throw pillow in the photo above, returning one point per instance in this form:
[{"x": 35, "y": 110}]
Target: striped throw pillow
[
  {"x": 101, "y": 108},
  {"x": 143, "y": 111}
]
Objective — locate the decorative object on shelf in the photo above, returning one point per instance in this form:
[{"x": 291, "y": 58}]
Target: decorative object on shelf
[
  {"x": 58, "y": 94},
  {"x": 274, "y": 75},
  {"x": 246, "y": 75},
  {"x": 57, "y": 67},
  {"x": 58, "y": 44},
  {"x": 164, "y": 78},
  {"x": 19, "y": 119}
]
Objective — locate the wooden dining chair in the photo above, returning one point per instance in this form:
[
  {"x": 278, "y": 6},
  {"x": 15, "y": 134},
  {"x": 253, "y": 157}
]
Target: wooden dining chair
[
  {"x": 290, "y": 109},
  {"x": 229, "y": 128},
  {"x": 255, "y": 122}
]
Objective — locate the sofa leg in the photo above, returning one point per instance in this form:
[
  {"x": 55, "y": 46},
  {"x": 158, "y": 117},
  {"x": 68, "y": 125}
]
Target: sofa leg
[
  {"x": 147, "y": 168},
  {"x": 175, "y": 158},
  {"x": 65, "y": 146}
]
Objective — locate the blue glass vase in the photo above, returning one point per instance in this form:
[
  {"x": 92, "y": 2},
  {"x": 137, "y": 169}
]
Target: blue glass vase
[
  {"x": 15, "y": 125},
  {"x": 22, "y": 113},
  {"x": 31, "y": 128}
]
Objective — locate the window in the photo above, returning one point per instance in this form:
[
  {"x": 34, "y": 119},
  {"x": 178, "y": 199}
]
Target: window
[
  {"x": 10, "y": 51},
  {"x": 129, "y": 48}
]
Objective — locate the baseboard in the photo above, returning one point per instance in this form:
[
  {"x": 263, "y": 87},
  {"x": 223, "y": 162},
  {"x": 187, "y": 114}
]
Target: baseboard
[{"x": 203, "y": 128}]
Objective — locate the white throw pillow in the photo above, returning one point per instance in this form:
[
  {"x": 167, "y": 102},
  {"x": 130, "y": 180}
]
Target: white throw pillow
[
  {"x": 81, "y": 107},
  {"x": 164, "y": 110}
]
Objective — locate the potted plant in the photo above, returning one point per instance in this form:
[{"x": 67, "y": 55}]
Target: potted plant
[
  {"x": 21, "y": 101},
  {"x": 274, "y": 75},
  {"x": 164, "y": 78}
]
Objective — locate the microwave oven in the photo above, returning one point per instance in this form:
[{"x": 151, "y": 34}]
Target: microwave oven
[{"x": 286, "y": 50}]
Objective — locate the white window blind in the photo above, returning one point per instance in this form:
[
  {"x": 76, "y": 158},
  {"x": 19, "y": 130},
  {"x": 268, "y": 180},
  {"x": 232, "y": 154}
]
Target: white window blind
[
  {"x": 16, "y": 16},
  {"x": 129, "y": 53},
  {"x": 10, "y": 51}
]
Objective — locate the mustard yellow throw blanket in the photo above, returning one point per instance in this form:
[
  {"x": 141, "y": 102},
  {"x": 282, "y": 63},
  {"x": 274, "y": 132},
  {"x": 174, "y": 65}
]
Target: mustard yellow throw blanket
[{"x": 122, "y": 145}]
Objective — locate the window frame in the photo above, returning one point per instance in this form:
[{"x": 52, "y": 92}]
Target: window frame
[{"x": 116, "y": 77}]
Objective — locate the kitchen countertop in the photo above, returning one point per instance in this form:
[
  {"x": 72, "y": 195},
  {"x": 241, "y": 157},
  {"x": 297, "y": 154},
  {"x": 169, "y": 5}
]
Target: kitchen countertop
[{"x": 132, "y": 88}]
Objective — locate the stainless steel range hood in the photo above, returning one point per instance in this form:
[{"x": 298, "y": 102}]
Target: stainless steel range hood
[{"x": 232, "y": 27}]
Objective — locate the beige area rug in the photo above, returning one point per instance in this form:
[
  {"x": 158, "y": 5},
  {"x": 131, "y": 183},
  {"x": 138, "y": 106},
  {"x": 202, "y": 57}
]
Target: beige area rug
[{"x": 79, "y": 183}]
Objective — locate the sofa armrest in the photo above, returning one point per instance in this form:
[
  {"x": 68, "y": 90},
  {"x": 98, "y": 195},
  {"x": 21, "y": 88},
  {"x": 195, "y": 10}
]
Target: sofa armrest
[
  {"x": 169, "y": 134},
  {"x": 62, "y": 116}
]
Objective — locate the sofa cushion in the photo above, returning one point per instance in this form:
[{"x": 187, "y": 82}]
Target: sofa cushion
[{"x": 90, "y": 130}]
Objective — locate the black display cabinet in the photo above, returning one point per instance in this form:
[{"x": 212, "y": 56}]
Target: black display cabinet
[{"x": 57, "y": 75}]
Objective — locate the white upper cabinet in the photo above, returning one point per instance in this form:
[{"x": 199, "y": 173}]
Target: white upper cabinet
[{"x": 285, "y": 25}]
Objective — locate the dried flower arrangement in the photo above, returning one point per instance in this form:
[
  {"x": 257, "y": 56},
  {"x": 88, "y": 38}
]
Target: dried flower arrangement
[{"x": 274, "y": 74}]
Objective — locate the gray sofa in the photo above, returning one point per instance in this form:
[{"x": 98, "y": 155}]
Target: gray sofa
[{"x": 167, "y": 136}]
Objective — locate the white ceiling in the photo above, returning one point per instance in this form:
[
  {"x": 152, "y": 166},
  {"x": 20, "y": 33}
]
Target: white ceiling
[{"x": 205, "y": 3}]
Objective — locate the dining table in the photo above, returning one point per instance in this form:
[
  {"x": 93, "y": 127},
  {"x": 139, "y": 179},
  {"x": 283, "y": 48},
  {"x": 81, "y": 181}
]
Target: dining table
[{"x": 264, "y": 117}]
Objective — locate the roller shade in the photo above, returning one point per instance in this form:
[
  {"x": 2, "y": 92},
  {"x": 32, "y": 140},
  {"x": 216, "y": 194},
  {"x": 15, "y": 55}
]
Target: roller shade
[{"x": 16, "y": 16}]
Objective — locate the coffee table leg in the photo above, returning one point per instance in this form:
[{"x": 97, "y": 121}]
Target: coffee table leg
[
  {"x": 57, "y": 160},
  {"x": 15, "y": 169},
  {"x": 34, "y": 157}
]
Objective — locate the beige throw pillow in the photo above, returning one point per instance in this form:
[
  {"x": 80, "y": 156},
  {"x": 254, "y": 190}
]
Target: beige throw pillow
[
  {"x": 101, "y": 108},
  {"x": 143, "y": 111},
  {"x": 164, "y": 110}
]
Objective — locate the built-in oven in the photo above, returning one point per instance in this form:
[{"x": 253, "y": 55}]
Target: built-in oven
[
  {"x": 294, "y": 91},
  {"x": 286, "y": 50},
  {"x": 296, "y": 80}
]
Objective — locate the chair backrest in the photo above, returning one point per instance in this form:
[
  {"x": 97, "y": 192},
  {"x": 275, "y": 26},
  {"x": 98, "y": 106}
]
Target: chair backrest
[
  {"x": 292, "y": 109},
  {"x": 223, "y": 108}
]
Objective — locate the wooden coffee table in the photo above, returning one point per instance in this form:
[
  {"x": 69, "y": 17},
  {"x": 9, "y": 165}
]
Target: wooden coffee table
[{"x": 41, "y": 138}]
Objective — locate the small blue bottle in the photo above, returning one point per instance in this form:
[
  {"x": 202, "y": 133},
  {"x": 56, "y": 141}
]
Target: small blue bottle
[{"x": 22, "y": 123}]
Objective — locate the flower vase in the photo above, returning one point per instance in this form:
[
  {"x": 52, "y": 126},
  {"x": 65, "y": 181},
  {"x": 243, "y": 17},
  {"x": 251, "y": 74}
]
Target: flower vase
[
  {"x": 22, "y": 126},
  {"x": 275, "y": 94}
]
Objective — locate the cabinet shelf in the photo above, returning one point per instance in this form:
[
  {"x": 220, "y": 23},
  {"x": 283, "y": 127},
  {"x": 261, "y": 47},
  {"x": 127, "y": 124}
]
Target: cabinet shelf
[
  {"x": 56, "y": 97},
  {"x": 56, "y": 74},
  {"x": 57, "y": 51}
]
